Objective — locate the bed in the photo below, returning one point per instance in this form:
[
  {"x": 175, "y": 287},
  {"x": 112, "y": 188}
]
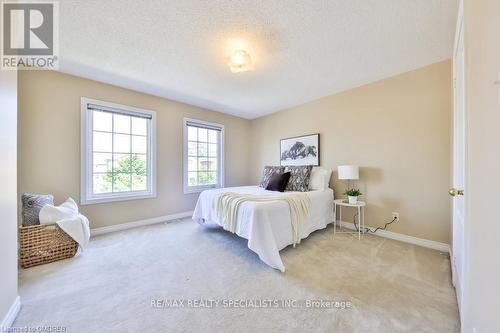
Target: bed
[{"x": 267, "y": 225}]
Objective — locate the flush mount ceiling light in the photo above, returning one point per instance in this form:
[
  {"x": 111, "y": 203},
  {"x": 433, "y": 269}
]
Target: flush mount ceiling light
[{"x": 240, "y": 61}]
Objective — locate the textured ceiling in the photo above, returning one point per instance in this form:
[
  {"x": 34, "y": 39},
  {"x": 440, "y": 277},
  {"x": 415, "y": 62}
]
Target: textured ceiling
[{"x": 302, "y": 50}]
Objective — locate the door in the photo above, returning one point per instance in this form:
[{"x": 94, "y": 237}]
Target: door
[{"x": 459, "y": 162}]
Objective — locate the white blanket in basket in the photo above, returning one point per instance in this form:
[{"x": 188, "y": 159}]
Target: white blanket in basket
[{"x": 68, "y": 219}]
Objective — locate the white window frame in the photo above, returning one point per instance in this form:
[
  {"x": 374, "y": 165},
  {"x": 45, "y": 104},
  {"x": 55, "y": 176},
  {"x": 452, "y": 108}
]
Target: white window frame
[
  {"x": 220, "y": 156},
  {"x": 86, "y": 179}
]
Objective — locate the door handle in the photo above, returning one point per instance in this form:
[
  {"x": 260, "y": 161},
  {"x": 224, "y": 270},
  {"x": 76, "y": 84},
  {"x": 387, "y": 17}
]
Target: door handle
[{"x": 454, "y": 192}]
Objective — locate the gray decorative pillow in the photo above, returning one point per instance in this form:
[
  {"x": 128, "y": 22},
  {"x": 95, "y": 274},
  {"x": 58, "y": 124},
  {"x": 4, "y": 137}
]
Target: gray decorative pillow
[
  {"x": 299, "y": 178},
  {"x": 268, "y": 172},
  {"x": 32, "y": 203}
]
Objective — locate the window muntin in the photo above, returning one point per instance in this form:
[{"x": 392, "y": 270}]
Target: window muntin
[
  {"x": 119, "y": 152},
  {"x": 203, "y": 151}
]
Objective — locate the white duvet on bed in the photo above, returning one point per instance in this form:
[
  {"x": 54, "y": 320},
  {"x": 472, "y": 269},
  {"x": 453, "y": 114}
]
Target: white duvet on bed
[{"x": 267, "y": 225}]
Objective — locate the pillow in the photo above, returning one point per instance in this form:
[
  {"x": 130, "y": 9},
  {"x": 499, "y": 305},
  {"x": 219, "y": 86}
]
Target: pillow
[
  {"x": 51, "y": 213},
  {"x": 299, "y": 178},
  {"x": 278, "y": 182},
  {"x": 320, "y": 178},
  {"x": 328, "y": 175},
  {"x": 267, "y": 174},
  {"x": 31, "y": 205}
]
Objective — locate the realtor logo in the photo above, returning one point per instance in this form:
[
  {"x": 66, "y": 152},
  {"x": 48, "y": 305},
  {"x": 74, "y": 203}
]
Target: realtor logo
[{"x": 29, "y": 35}]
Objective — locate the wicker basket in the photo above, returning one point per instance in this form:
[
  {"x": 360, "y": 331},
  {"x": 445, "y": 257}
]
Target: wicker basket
[{"x": 41, "y": 244}]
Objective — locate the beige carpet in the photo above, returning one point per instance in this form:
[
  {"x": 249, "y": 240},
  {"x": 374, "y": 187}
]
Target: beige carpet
[{"x": 392, "y": 286}]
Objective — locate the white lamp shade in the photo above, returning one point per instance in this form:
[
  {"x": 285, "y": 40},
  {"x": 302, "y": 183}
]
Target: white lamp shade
[{"x": 348, "y": 172}]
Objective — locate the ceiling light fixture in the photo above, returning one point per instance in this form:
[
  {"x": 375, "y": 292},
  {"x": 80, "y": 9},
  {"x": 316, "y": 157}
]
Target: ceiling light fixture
[{"x": 240, "y": 61}]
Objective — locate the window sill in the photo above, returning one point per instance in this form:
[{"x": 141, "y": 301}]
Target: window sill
[
  {"x": 104, "y": 199},
  {"x": 199, "y": 189}
]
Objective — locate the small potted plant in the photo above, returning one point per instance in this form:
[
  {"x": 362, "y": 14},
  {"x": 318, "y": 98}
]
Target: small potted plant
[{"x": 353, "y": 194}]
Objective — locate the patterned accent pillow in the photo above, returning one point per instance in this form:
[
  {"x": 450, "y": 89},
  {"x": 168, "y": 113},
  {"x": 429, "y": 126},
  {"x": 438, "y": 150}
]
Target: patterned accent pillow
[
  {"x": 32, "y": 203},
  {"x": 299, "y": 178},
  {"x": 268, "y": 172}
]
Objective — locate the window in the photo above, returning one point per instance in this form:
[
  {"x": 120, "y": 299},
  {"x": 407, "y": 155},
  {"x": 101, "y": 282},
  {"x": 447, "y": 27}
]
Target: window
[
  {"x": 203, "y": 155},
  {"x": 118, "y": 152}
]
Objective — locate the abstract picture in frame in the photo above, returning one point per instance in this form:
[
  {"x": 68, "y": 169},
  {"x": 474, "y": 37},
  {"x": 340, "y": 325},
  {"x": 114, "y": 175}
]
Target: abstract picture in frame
[{"x": 300, "y": 150}]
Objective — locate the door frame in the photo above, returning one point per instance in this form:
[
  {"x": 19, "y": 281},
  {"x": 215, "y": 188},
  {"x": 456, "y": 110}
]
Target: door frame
[{"x": 461, "y": 295}]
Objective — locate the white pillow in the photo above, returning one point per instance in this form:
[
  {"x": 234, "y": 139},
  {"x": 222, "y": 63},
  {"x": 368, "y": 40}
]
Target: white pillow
[
  {"x": 51, "y": 213},
  {"x": 320, "y": 178}
]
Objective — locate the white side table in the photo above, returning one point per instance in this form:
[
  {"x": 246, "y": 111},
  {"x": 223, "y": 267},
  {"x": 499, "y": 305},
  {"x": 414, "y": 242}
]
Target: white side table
[{"x": 360, "y": 206}]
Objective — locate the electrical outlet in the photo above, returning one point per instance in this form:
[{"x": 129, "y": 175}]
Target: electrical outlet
[{"x": 395, "y": 215}]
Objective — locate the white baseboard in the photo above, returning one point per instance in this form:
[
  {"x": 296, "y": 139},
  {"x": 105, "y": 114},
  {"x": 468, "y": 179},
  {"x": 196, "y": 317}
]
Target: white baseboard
[
  {"x": 11, "y": 315},
  {"x": 140, "y": 223},
  {"x": 442, "y": 247}
]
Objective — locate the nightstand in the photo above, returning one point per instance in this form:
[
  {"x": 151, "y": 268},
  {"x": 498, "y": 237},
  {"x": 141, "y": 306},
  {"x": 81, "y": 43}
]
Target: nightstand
[{"x": 360, "y": 206}]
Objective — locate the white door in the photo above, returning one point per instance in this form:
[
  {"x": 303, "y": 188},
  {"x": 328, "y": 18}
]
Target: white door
[{"x": 459, "y": 165}]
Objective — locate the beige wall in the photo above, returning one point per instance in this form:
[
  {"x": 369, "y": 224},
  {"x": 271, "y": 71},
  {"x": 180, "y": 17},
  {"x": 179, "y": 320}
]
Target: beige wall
[
  {"x": 49, "y": 145},
  {"x": 8, "y": 192},
  {"x": 482, "y": 269},
  {"x": 397, "y": 130}
]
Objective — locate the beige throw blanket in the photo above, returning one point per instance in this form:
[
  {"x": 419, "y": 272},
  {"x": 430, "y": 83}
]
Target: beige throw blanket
[{"x": 227, "y": 205}]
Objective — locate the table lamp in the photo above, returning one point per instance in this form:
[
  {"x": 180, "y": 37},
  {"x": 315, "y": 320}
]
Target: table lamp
[{"x": 348, "y": 172}]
